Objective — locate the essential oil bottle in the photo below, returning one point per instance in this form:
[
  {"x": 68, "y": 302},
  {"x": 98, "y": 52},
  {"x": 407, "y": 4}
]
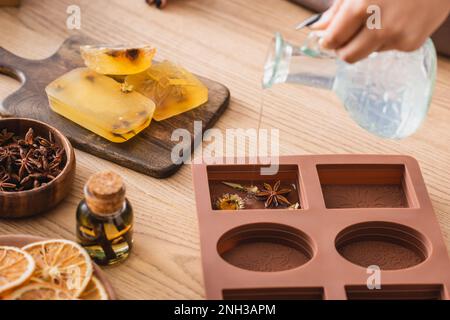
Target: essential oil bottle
[{"x": 105, "y": 219}]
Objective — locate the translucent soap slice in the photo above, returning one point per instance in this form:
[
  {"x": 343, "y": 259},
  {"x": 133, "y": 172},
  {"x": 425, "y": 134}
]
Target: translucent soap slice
[
  {"x": 100, "y": 104},
  {"x": 118, "y": 60},
  {"x": 173, "y": 89}
]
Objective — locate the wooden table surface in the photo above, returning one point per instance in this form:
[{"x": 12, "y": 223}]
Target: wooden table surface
[{"x": 225, "y": 41}]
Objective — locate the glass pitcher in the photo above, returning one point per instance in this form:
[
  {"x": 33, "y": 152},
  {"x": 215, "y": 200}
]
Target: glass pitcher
[{"x": 387, "y": 93}]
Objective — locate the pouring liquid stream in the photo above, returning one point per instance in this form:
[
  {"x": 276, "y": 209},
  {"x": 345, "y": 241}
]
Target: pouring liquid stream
[{"x": 258, "y": 127}]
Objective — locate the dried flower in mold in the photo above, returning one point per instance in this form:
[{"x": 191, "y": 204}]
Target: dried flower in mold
[{"x": 230, "y": 202}]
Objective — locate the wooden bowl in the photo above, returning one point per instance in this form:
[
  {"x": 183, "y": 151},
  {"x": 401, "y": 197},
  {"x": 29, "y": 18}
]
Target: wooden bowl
[
  {"x": 31, "y": 202},
  {"x": 21, "y": 240}
]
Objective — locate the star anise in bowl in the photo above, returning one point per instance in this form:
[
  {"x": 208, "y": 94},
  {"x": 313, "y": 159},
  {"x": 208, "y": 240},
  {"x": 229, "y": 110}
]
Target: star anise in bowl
[
  {"x": 37, "y": 167},
  {"x": 274, "y": 196},
  {"x": 28, "y": 162}
]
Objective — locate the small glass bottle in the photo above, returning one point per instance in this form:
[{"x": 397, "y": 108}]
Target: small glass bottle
[{"x": 105, "y": 219}]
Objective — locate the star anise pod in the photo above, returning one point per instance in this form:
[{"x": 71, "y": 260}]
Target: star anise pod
[
  {"x": 28, "y": 182},
  {"x": 50, "y": 170},
  {"x": 274, "y": 196},
  {"x": 5, "y": 136},
  {"x": 46, "y": 173},
  {"x": 40, "y": 152},
  {"x": 37, "y": 179},
  {"x": 29, "y": 137},
  {"x": 55, "y": 166},
  {"x": 48, "y": 144},
  {"x": 26, "y": 163},
  {"x": 8, "y": 156},
  {"x": 58, "y": 156},
  {"x": 5, "y": 185},
  {"x": 28, "y": 140}
]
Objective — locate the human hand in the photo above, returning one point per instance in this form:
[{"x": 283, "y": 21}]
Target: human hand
[
  {"x": 405, "y": 25},
  {"x": 158, "y": 3}
]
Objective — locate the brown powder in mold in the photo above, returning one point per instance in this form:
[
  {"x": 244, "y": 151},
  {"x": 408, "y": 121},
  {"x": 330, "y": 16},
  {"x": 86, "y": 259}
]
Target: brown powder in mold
[
  {"x": 265, "y": 256},
  {"x": 384, "y": 254},
  {"x": 364, "y": 196}
]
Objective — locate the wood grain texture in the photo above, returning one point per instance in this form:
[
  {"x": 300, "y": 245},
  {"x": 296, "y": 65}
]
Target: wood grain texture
[
  {"x": 149, "y": 152},
  {"x": 226, "y": 41}
]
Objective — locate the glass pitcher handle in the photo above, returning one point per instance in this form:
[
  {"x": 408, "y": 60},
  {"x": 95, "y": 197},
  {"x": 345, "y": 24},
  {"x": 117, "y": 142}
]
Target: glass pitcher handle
[{"x": 312, "y": 46}]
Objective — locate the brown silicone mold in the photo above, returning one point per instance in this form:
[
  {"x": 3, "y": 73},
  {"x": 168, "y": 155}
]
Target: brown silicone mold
[{"x": 355, "y": 211}]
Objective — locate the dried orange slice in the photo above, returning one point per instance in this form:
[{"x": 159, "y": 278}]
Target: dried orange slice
[
  {"x": 39, "y": 291},
  {"x": 94, "y": 291},
  {"x": 16, "y": 267},
  {"x": 62, "y": 263}
]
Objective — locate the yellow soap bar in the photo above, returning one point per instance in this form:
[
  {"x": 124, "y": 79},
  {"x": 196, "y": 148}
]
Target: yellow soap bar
[
  {"x": 118, "y": 60},
  {"x": 100, "y": 104},
  {"x": 173, "y": 89}
]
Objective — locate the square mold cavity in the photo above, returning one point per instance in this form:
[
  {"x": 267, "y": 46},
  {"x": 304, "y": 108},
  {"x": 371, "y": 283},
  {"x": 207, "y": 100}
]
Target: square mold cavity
[
  {"x": 250, "y": 176},
  {"x": 274, "y": 294},
  {"x": 365, "y": 186},
  {"x": 395, "y": 292}
]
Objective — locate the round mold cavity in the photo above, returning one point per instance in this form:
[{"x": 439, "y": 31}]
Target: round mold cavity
[
  {"x": 265, "y": 247},
  {"x": 389, "y": 246}
]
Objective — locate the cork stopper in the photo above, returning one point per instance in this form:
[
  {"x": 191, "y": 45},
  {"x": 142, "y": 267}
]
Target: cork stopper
[{"x": 105, "y": 193}]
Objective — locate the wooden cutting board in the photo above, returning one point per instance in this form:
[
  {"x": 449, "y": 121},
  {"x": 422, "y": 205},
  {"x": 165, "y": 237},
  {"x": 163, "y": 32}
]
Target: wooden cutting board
[{"x": 149, "y": 152}]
